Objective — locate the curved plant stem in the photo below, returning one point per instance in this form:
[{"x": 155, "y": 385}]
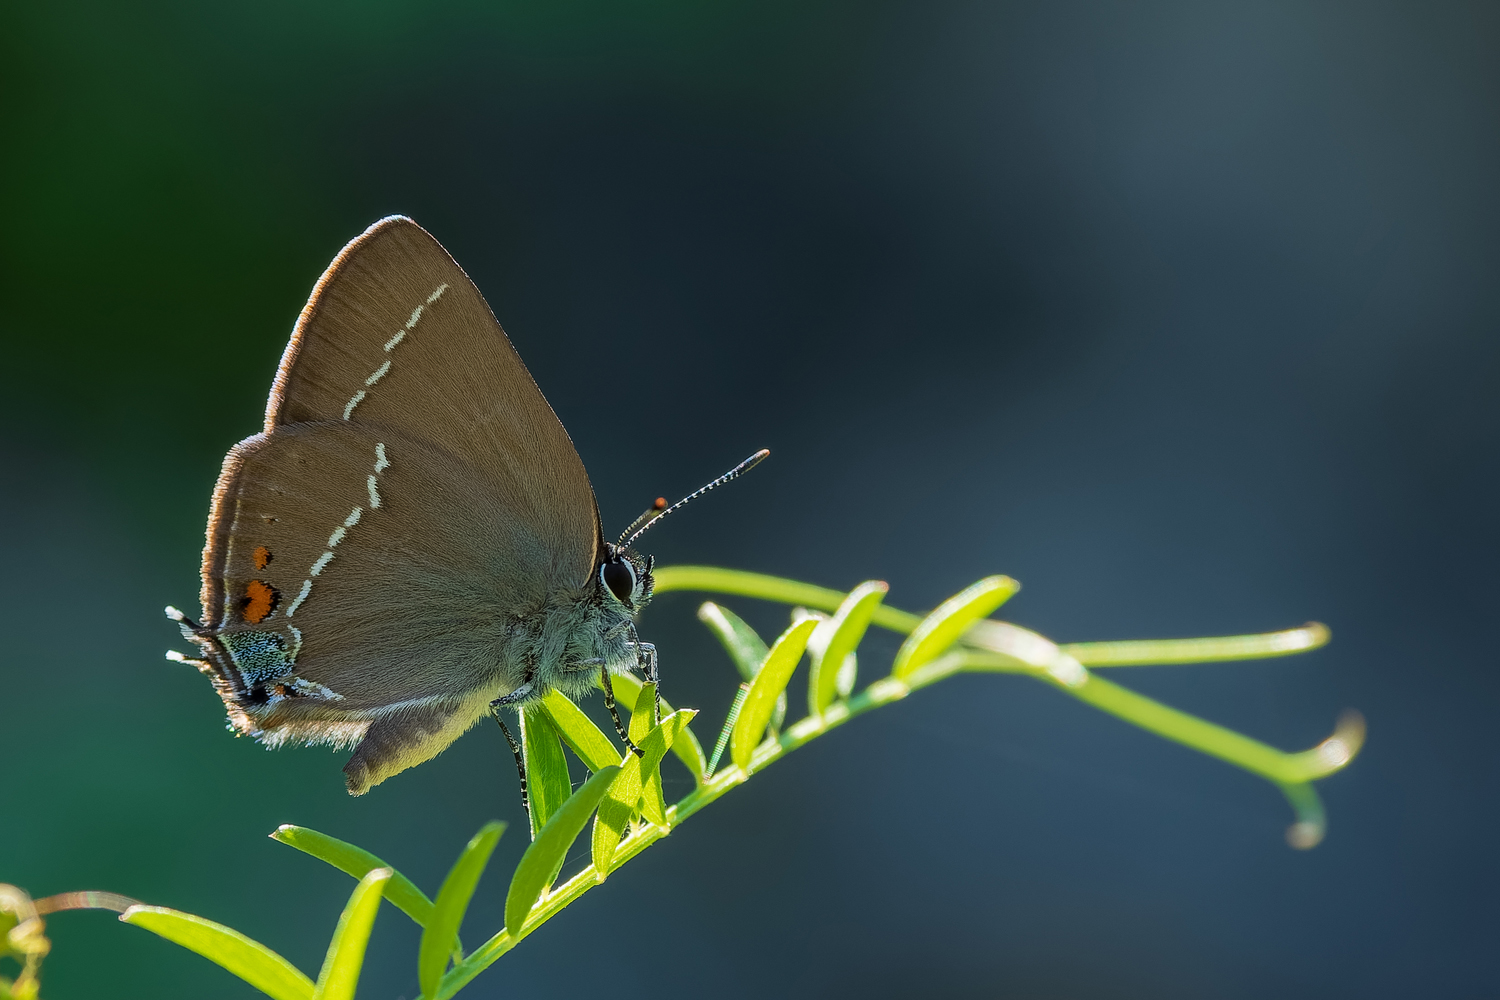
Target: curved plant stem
[
  {"x": 988, "y": 646},
  {"x": 956, "y": 637},
  {"x": 1155, "y": 652},
  {"x": 1008, "y": 648},
  {"x": 1020, "y": 650}
]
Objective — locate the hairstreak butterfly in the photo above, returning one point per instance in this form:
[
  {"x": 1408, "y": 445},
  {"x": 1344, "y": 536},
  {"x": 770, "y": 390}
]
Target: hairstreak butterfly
[{"x": 412, "y": 537}]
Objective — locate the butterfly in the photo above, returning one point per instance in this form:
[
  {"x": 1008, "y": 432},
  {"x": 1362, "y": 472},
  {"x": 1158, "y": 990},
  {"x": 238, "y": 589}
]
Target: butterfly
[{"x": 411, "y": 542}]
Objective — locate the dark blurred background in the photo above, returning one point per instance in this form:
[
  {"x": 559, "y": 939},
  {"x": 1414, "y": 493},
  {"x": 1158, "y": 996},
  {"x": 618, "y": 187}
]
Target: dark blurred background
[{"x": 1183, "y": 314}]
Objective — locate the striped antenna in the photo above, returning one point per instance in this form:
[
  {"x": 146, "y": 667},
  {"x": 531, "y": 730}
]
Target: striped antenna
[{"x": 657, "y": 513}]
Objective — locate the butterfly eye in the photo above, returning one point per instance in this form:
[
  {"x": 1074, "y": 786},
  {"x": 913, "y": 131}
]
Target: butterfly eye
[{"x": 619, "y": 577}]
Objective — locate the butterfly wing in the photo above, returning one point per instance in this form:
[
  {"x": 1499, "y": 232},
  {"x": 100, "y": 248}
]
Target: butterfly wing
[
  {"x": 412, "y": 495},
  {"x": 395, "y": 334}
]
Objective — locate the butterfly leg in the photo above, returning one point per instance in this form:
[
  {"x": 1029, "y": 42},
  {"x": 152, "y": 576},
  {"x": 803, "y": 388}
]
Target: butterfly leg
[
  {"x": 645, "y": 660},
  {"x": 515, "y": 748},
  {"x": 517, "y": 696},
  {"x": 609, "y": 703}
]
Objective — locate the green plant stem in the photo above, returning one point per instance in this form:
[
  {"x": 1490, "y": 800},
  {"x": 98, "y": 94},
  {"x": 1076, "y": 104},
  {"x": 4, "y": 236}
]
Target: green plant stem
[
  {"x": 987, "y": 646},
  {"x": 1156, "y": 652},
  {"x": 1131, "y": 653},
  {"x": 773, "y": 588},
  {"x": 1009, "y": 648}
]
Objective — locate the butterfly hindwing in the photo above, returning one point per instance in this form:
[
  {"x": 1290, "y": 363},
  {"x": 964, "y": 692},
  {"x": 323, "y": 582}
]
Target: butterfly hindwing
[{"x": 393, "y": 622}]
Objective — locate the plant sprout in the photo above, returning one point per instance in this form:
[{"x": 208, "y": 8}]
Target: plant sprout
[{"x": 624, "y": 794}]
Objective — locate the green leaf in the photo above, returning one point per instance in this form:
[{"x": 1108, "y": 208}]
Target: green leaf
[
  {"x": 744, "y": 646},
  {"x": 358, "y": 862},
  {"x": 637, "y": 789},
  {"x": 686, "y": 747},
  {"x": 622, "y": 801},
  {"x": 655, "y": 746},
  {"x": 547, "y": 780},
  {"x": 836, "y": 641},
  {"x": 579, "y": 732},
  {"x": 847, "y": 674},
  {"x": 641, "y": 712},
  {"x": 770, "y": 682},
  {"x": 452, "y": 902},
  {"x": 941, "y": 629},
  {"x": 250, "y": 960},
  {"x": 616, "y": 809},
  {"x": 642, "y": 726},
  {"x": 542, "y": 860},
  {"x": 346, "y": 952}
]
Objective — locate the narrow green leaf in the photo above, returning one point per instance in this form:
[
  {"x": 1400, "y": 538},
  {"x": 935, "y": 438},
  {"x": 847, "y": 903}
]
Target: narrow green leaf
[
  {"x": 655, "y": 746},
  {"x": 250, "y": 960},
  {"x": 744, "y": 646},
  {"x": 346, "y": 952},
  {"x": 548, "y": 783},
  {"x": 947, "y": 623},
  {"x": 637, "y": 789},
  {"x": 643, "y": 725},
  {"x": 641, "y": 712},
  {"x": 452, "y": 903},
  {"x": 835, "y": 643},
  {"x": 686, "y": 747},
  {"x": 358, "y": 862},
  {"x": 615, "y": 812},
  {"x": 579, "y": 732},
  {"x": 770, "y": 682},
  {"x": 542, "y": 860},
  {"x": 622, "y": 801}
]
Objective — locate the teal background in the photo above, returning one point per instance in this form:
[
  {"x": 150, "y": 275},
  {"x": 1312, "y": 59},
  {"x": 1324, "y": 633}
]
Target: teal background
[{"x": 1183, "y": 314}]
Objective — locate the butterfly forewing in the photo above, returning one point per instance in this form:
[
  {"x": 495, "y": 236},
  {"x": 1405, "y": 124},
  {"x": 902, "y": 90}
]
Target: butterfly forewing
[{"x": 396, "y": 335}]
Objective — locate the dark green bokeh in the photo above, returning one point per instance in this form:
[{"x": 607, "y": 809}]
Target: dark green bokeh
[{"x": 1183, "y": 315}]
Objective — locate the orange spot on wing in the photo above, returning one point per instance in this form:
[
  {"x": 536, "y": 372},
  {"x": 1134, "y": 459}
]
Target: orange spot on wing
[
  {"x": 262, "y": 557},
  {"x": 260, "y": 600}
]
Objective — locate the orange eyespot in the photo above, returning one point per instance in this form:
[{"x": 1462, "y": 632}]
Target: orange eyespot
[
  {"x": 262, "y": 557},
  {"x": 661, "y": 503},
  {"x": 259, "y": 601}
]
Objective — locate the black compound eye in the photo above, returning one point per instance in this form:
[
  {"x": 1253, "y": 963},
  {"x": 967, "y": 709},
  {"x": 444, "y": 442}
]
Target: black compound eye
[{"x": 619, "y": 577}]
